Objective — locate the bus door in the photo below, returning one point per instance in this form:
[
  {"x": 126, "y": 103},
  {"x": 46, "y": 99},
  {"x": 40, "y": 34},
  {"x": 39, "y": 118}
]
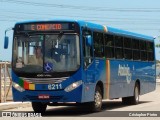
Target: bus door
[
  {"x": 89, "y": 69},
  {"x": 88, "y": 66},
  {"x": 88, "y": 58}
]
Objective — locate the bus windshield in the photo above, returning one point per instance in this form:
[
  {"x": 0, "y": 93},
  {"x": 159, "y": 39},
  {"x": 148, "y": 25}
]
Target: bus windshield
[{"x": 46, "y": 53}]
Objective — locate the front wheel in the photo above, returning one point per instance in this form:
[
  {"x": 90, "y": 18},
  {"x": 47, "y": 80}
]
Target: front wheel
[
  {"x": 39, "y": 107},
  {"x": 96, "y": 105}
]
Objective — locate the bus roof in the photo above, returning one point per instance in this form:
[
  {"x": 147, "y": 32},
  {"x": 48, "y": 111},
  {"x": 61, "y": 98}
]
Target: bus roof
[
  {"x": 116, "y": 31},
  {"x": 99, "y": 27},
  {"x": 130, "y": 34}
]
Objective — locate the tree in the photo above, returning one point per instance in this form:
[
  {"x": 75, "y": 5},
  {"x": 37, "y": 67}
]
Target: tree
[{"x": 157, "y": 45}]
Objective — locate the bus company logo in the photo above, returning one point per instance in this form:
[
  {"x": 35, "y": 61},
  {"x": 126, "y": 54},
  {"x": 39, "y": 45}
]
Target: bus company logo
[{"x": 125, "y": 71}]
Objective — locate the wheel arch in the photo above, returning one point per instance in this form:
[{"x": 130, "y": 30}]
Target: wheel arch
[
  {"x": 139, "y": 85},
  {"x": 100, "y": 84}
]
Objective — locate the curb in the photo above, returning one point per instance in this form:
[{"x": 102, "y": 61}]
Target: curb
[{"x": 12, "y": 105}]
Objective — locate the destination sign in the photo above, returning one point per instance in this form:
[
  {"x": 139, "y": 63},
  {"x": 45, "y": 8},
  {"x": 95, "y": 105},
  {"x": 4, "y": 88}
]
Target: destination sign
[{"x": 48, "y": 27}]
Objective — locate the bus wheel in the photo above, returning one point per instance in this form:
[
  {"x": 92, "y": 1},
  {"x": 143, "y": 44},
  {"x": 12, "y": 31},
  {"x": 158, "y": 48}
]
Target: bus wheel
[
  {"x": 135, "y": 99},
  {"x": 39, "y": 107},
  {"x": 97, "y": 104}
]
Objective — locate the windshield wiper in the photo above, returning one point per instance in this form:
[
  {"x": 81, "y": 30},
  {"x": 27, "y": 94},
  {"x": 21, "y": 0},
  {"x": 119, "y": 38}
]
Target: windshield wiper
[{"x": 60, "y": 36}]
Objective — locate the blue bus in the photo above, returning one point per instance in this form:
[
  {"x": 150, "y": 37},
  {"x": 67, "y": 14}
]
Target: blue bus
[{"x": 63, "y": 61}]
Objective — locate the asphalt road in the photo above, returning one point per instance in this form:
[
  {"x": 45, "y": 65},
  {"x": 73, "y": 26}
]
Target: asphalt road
[{"x": 149, "y": 104}]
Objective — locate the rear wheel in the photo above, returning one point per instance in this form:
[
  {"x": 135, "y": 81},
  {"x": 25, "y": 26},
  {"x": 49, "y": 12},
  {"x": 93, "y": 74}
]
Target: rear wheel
[
  {"x": 96, "y": 106},
  {"x": 39, "y": 107},
  {"x": 134, "y": 99}
]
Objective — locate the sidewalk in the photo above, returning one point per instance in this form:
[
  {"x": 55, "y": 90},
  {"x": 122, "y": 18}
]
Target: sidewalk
[{"x": 11, "y": 105}]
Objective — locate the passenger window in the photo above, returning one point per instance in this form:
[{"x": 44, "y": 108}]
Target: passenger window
[
  {"x": 109, "y": 46},
  {"x": 98, "y": 44},
  {"x": 150, "y": 46},
  {"x": 136, "y": 55},
  {"x": 135, "y": 44},
  {"x": 109, "y": 52},
  {"x": 136, "y": 50},
  {"x": 118, "y": 41},
  {"x": 128, "y": 48},
  {"x": 128, "y": 43},
  {"x": 119, "y": 47},
  {"x": 109, "y": 40},
  {"x": 119, "y": 53},
  {"x": 150, "y": 51},
  {"x": 143, "y": 55},
  {"x": 143, "y": 50},
  {"x": 143, "y": 45},
  {"x": 128, "y": 54}
]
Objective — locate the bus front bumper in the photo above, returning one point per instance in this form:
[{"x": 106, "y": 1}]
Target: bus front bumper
[{"x": 48, "y": 96}]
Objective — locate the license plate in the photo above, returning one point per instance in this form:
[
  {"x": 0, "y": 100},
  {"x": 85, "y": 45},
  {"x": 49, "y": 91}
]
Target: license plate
[{"x": 43, "y": 96}]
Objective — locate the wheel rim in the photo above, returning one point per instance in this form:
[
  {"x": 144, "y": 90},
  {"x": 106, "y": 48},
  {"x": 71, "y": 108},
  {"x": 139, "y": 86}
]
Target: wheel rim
[
  {"x": 98, "y": 100},
  {"x": 136, "y": 94}
]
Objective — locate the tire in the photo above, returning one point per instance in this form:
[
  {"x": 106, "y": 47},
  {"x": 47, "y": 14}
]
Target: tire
[
  {"x": 39, "y": 107},
  {"x": 135, "y": 99},
  {"x": 96, "y": 105}
]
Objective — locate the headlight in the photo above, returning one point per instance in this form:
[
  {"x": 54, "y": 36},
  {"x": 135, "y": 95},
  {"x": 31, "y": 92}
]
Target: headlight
[
  {"x": 17, "y": 87},
  {"x": 73, "y": 86}
]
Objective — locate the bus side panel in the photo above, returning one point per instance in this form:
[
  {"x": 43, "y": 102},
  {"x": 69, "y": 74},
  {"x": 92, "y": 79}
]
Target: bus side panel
[
  {"x": 118, "y": 81},
  {"x": 146, "y": 73},
  {"x": 123, "y": 75}
]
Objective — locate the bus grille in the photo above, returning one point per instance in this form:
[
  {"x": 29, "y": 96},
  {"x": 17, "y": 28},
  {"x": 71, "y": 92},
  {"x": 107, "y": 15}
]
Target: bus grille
[{"x": 45, "y": 80}]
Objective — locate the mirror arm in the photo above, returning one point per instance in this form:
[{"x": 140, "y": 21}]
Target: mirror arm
[{"x": 8, "y": 30}]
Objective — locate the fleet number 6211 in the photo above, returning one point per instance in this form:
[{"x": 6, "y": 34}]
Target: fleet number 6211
[{"x": 54, "y": 86}]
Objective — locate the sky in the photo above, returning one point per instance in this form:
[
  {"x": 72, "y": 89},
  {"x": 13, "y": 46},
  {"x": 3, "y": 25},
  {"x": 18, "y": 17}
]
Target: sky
[{"x": 140, "y": 16}]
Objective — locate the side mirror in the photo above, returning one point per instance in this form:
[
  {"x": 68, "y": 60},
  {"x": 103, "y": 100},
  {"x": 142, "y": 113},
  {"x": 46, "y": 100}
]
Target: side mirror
[
  {"x": 6, "y": 41},
  {"x": 6, "y": 38},
  {"x": 88, "y": 40}
]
